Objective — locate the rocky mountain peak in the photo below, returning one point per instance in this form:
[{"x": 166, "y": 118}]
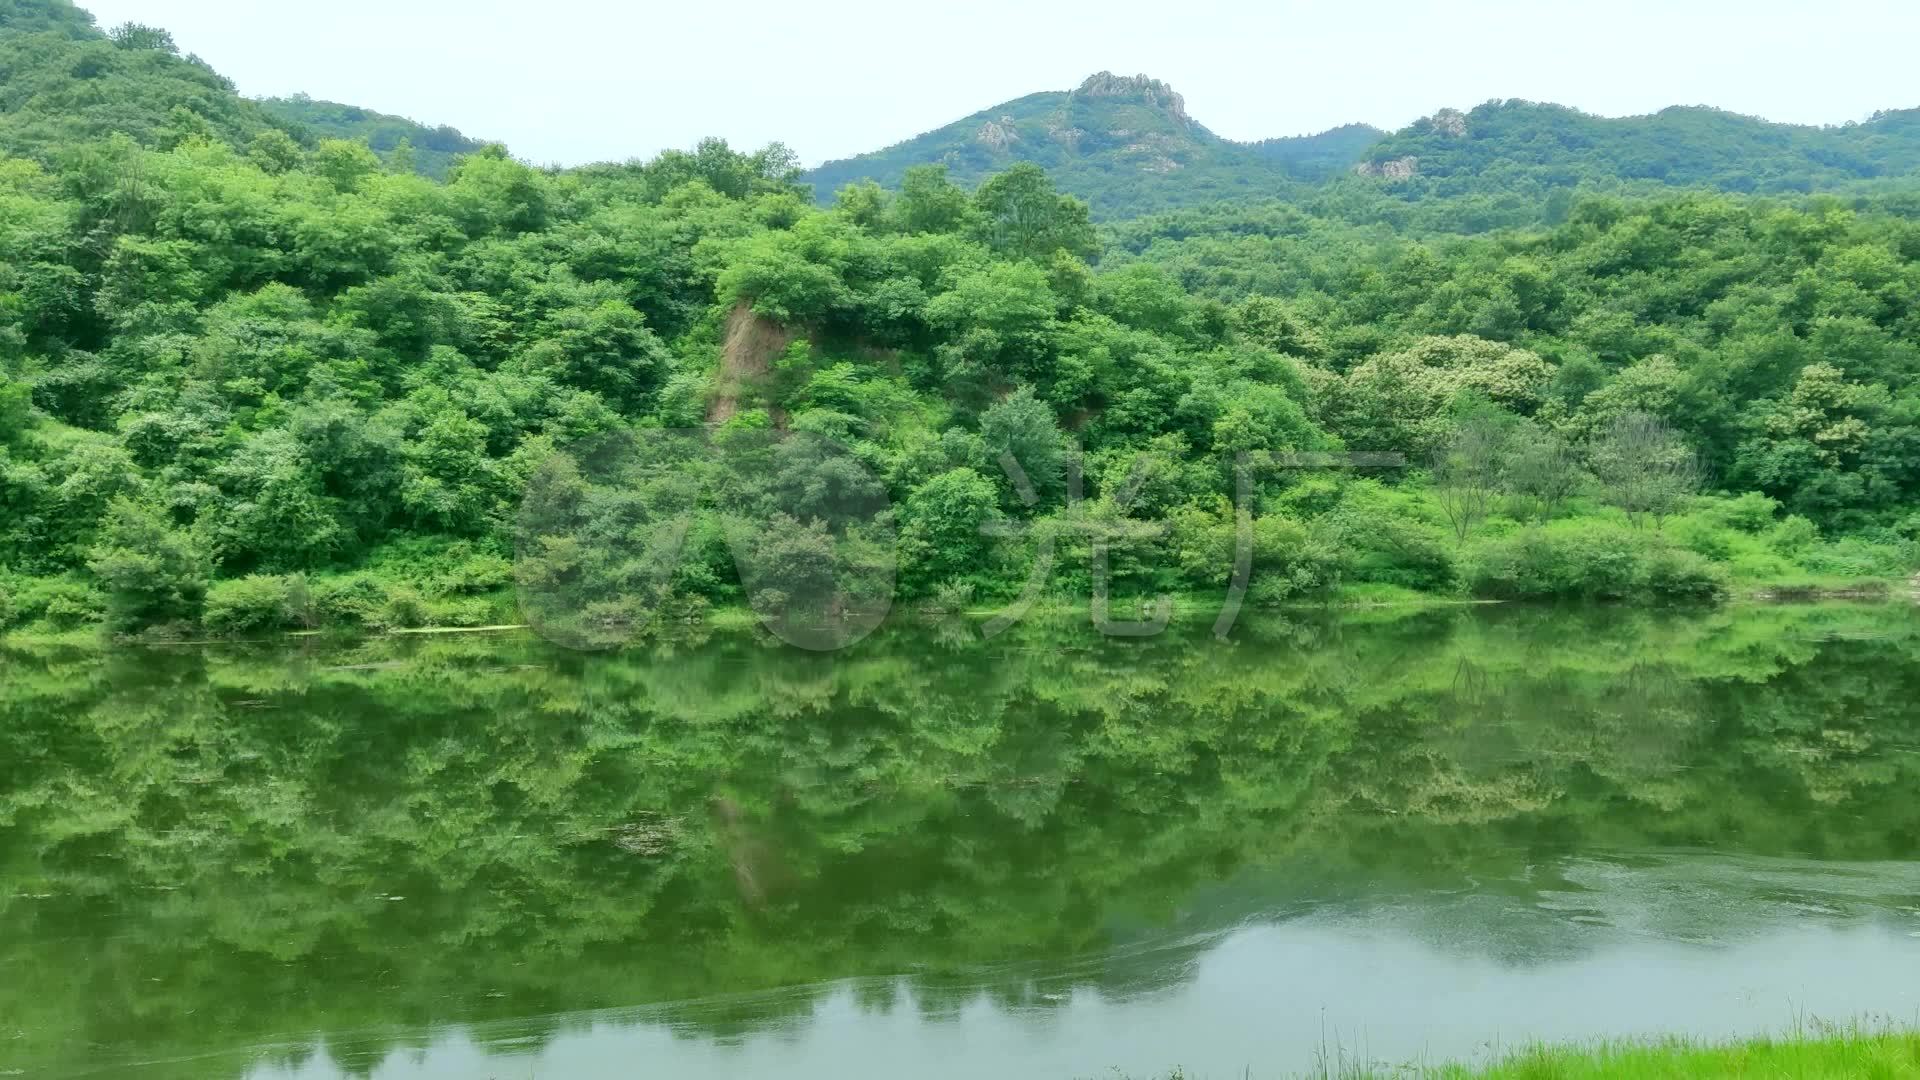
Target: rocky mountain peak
[{"x": 1142, "y": 88}]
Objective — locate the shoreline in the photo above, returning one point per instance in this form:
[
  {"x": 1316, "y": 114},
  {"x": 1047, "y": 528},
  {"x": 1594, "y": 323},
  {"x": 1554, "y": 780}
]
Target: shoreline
[{"x": 1185, "y": 608}]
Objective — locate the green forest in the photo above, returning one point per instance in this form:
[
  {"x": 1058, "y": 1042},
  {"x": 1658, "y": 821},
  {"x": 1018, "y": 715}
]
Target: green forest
[
  {"x": 400, "y": 142},
  {"x": 1128, "y": 145},
  {"x": 255, "y": 377}
]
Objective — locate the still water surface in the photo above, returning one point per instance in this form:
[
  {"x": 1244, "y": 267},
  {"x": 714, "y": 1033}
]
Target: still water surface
[{"x": 1395, "y": 837}]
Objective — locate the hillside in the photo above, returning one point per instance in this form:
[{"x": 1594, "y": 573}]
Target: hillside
[
  {"x": 243, "y": 391},
  {"x": 432, "y": 149},
  {"x": 1126, "y": 144},
  {"x": 1516, "y": 145},
  {"x": 46, "y": 16},
  {"x": 63, "y": 81},
  {"x": 1322, "y": 156}
]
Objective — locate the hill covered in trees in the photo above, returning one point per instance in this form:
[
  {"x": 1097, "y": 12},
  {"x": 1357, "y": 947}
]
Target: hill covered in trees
[
  {"x": 1129, "y": 146},
  {"x": 249, "y": 383},
  {"x": 64, "y": 83},
  {"x": 428, "y": 150},
  {"x": 1124, "y": 143},
  {"x": 1523, "y": 145}
]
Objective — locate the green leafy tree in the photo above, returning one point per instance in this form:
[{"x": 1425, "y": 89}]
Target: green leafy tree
[
  {"x": 1022, "y": 426},
  {"x": 1022, "y": 216},
  {"x": 930, "y": 202},
  {"x": 154, "y": 574},
  {"x": 941, "y": 534}
]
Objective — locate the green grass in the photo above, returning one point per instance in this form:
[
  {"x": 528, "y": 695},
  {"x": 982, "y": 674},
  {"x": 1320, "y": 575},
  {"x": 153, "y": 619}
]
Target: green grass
[
  {"x": 1818, "y": 586},
  {"x": 1367, "y": 594},
  {"x": 1852, "y": 1053}
]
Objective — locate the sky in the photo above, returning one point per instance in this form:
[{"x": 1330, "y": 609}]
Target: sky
[{"x": 571, "y": 81}]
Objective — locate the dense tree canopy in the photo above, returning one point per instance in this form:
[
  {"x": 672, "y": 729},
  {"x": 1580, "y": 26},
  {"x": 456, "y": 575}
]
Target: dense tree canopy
[
  {"x": 299, "y": 360},
  {"x": 1128, "y": 146},
  {"x": 241, "y": 352},
  {"x": 428, "y": 150}
]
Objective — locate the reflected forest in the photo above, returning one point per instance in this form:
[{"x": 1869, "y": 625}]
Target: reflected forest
[{"x": 529, "y": 831}]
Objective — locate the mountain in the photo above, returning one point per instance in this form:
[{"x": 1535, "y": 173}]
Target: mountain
[
  {"x": 46, "y": 16},
  {"x": 1126, "y": 144},
  {"x": 1512, "y": 145},
  {"x": 1129, "y": 147},
  {"x": 63, "y": 81},
  {"x": 1327, "y": 154},
  {"x": 433, "y": 149}
]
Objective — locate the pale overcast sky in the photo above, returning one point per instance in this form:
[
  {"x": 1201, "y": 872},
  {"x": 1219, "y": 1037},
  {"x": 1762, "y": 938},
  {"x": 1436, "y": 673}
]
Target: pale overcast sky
[{"x": 568, "y": 81}]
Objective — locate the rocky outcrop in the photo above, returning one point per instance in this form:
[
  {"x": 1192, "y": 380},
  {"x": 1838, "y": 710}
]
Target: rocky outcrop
[
  {"x": 999, "y": 133},
  {"x": 1064, "y": 134},
  {"x": 1152, "y": 157},
  {"x": 1396, "y": 169},
  {"x": 1141, "y": 88},
  {"x": 1449, "y": 122}
]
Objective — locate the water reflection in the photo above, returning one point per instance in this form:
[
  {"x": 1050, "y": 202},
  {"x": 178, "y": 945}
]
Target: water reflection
[{"x": 1043, "y": 857}]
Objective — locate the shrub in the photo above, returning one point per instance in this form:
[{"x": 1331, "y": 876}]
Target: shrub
[
  {"x": 1761, "y": 565},
  {"x": 255, "y": 603},
  {"x": 1793, "y": 535},
  {"x": 1751, "y": 513},
  {"x": 1389, "y": 550},
  {"x": 462, "y": 611},
  {"x": 1591, "y": 562},
  {"x": 1852, "y": 557},
  {"x": 483, "y": 573},
  {"x": 1675, "y": 575},
  {"x": 60, "y": 603},
  {"x": 951, "y": 596},
  {"x": 1703, "y": 536},
  {"x": 353, "y": 600},
  {"x": 405, "y": 609},
  {"x": 72, "y": 608},
  {"x": 1290, "y": 559}
]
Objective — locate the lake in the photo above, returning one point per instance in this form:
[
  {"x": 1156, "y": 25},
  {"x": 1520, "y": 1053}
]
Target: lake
[{"x": 1386, "y": 836}]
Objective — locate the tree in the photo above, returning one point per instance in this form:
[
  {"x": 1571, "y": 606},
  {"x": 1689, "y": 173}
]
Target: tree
[
  {"x": 132, "y": 35},
  {"x": 274, "y": 151},
  {"x": 1276, "y": 325},
  {"x": 1644, "y": 467},
  {"x": 997, "y": 322},
  {"x": 773, "y": 168},
  {"x": 1542, "y": 471},
  {"x": 16, "y": 410},
  {"x": 1023, "y": 217},
  {"x": 602, "y": 346},
  {"x": 273, "y": 515},
  {"x": 1023, "y": 426},
  {"x": 864, "y": 204},
  {"x": 931, "y": 203},
  {"x": 1468, "y": 472},
  {"x": 1811, "y": 446},
  {"x": 154, "y": 573},
  {"x": 940, "y": 535}
]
